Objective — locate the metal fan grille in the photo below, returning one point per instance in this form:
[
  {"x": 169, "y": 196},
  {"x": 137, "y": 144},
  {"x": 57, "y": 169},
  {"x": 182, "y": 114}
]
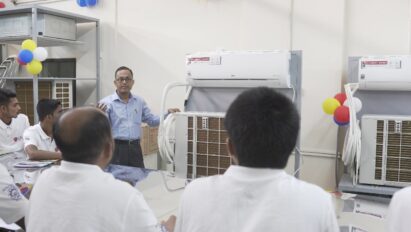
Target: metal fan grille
[
  {"x": 207, "y": 152},
  {"x": 393, "y": 151}
]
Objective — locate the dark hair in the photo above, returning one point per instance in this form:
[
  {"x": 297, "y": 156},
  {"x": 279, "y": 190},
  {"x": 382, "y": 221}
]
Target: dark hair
[
  {"x": 82, "y": 139},
  {"x": 122, "y": 68},
  {"x": 263, "y": 126},
  {"x": 46, "y": 107},
  {"x": 5, "y": 96}
]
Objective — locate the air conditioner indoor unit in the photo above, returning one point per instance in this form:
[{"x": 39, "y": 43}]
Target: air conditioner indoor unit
[
  {"x": 239, "y": 69},
  {"x": 385, "y": 150},
  {"x": 385, "y": 73},
  {"x": 200, "y": 145}
]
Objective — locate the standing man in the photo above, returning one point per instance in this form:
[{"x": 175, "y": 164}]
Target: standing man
[
  {"x": 126, "y": 112},
  {"x": 256, "y": 194},
  {"x": 12, "y": 123},
  {"x": 38, "y": 139}
]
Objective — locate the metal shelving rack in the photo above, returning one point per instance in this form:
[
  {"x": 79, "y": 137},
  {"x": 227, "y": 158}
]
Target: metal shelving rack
[{"x": 43, "y": 41}]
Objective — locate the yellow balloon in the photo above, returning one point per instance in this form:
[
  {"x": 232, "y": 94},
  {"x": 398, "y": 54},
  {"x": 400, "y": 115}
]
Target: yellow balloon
[
  {"x": 330, "y": 105},
  {"x": 29, "y": 45},
  {"x": 34, "y": 67}
]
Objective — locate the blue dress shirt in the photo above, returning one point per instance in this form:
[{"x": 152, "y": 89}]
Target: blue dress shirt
[{"x": 126, "y": 117}]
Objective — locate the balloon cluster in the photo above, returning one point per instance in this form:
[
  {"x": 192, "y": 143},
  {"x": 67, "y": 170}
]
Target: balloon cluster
[
  {"x": 84, "y": 3},
  {"x": 338, "y": 106},
  {"x": 31, "y": 55}
]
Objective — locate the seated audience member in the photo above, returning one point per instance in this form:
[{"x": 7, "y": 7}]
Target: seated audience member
[
  {"x": 256, "y": 194},
  {"x": 13, "y": 204},
  {"x": 79, "y": 195},
  {"x": 399, "y": 211},
  {"x": 38, "y": 139},
  {"x": 12, "y": 123}
]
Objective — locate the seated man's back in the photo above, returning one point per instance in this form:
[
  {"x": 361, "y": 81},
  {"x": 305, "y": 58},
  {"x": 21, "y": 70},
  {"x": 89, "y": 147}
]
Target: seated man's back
[
  {"x": 78, "y": 195},
  {"x": 81, "y": 197},
  {"x": 255, "y": 193},
  {"x": 246, "y": 199}
]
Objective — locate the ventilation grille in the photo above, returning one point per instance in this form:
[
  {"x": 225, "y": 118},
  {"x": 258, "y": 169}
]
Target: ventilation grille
[
  {"x": 63, "y": 91},
  {"x": 393, "y": 151},
  {"x": 206, "y": 147}
]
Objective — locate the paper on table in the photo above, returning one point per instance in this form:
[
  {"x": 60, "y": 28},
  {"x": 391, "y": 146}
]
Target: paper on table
[{"x": 33, "y": 164}]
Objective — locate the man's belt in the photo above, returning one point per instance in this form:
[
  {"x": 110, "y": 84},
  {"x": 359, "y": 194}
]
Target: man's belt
[{"x": 123, "y": 141}]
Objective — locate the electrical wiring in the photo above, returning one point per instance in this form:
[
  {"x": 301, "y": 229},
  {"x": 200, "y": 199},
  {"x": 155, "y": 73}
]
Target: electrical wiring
[
  {"x": 352, "y": 141},
  {"x": 166, "y": 127}
]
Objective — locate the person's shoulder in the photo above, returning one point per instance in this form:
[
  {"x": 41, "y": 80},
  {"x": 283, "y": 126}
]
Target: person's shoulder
[
  {"x": 108, "y": 99},
  {"x": 308, "y": 189},
  {"x": 202, "y": 184},
  {"x": 119, "y": 187},
  {"x": 403, "y": 193},
  {"x": 22, "y": 117}
]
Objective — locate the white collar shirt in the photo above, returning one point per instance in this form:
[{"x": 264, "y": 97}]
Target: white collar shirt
[
  {"x": 12, "y": 203},
  {"x": 81, "y": 197},
  {"x": 35, "y": 135},
  {"x": 11, "y": 136},
  {"x": 399, "y": 211},
  {"x": 252, "y": 199}
]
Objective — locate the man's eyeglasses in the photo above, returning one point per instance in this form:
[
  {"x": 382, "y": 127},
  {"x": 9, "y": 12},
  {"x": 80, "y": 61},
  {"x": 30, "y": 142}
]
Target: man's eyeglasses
[{"x": 127, "y": 80}]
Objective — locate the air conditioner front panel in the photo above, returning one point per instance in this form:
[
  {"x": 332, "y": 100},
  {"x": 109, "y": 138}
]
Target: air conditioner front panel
[
  {"x": 200, "y": 148},
  {"x": 385, "y": 73},
  {"x": 237, "y": 66},
  {"x": 386, "y": 150}
]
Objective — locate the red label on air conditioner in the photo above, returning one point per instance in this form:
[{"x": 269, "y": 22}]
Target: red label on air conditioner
[{"x": 198, "y": 59}]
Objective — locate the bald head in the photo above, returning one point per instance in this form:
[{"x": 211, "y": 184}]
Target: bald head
[{"x": 82, "y": 134}]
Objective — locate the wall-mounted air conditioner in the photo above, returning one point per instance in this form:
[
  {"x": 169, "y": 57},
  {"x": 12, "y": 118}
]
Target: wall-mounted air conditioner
[
  {"x": 385, "y": 73},
  {"x": 200, "y": 145},
  {"x": 385, "y": 150},
  {"x": 239, "y": 69}
]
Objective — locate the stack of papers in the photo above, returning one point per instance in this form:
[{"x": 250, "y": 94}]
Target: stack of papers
[{"x": 33, "y": 164}]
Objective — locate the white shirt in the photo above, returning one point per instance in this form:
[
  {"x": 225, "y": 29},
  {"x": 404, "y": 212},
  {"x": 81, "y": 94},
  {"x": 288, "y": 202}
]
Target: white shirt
[
  {"x": 398, "y": 217},
  {"x": 11, "y": 136},
  {"x": 35, "y": 135},
  {"x": 13, "y": 204},
  {"x": 81, "y": 197},
  {"x": 251, "y": 199}
]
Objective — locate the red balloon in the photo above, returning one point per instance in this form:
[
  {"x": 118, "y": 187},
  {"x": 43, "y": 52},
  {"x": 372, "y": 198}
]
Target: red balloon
[
  {"x": 2, "y": 5},
  {"x": 341, "y": 97},
  {"x": 342, "y": 115},
  {"x": 20, "y": 62}
]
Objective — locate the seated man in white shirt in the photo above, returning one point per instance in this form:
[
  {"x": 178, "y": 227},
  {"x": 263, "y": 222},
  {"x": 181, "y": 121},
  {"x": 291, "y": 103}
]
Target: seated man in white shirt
[
  {"x": 12, "y": 123},
  {"x": 13, "y": 204},
  {"x": 399, "y": 211},
  {"x": 256, "y": 194},
  {"x": 79, "y": 195},
  {"x": 38, "y": 139}
]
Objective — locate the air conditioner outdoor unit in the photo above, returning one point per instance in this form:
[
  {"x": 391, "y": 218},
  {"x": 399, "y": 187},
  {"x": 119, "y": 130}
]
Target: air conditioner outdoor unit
[
  {"x": 200, "y": 145},
  {"x": 385, "y": 73},
  {"x": 239, "y": 69},
  {"x": 385, "y": 150}
]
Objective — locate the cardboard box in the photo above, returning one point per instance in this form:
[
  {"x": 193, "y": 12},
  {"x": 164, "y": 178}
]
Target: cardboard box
[{"x": 148, "y": 139}]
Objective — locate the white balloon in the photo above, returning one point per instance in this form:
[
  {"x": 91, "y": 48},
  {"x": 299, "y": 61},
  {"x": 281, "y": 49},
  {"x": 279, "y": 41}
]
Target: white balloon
[
  {"x": 40, "y": 54},
  {"x": 357, "y": 104}
]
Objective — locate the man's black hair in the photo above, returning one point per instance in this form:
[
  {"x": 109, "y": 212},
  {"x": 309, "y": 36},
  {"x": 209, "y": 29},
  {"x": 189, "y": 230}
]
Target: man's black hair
[
  {"x": 46, "y": 107},
  {"x": 263, "y": 126}
]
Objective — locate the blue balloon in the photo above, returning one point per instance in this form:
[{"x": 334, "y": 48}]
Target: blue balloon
[
  {"x": 341, "y": 123},
  {"x": 91, "y": 2},
  {"x": 82, "y": 3},
  {"x": 26, "y": 56}
]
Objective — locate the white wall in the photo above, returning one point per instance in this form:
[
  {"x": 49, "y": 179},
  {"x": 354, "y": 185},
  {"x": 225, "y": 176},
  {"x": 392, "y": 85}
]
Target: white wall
[{"x": 153, "y": 36}]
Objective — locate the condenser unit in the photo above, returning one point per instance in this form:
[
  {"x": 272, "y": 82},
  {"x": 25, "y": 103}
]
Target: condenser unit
[
  {"x": 385, "y": 73},
  {"x": 239, "y": 69},
  {"x": 200, "y": 145},
  {"x": 385, "y": 150}
]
